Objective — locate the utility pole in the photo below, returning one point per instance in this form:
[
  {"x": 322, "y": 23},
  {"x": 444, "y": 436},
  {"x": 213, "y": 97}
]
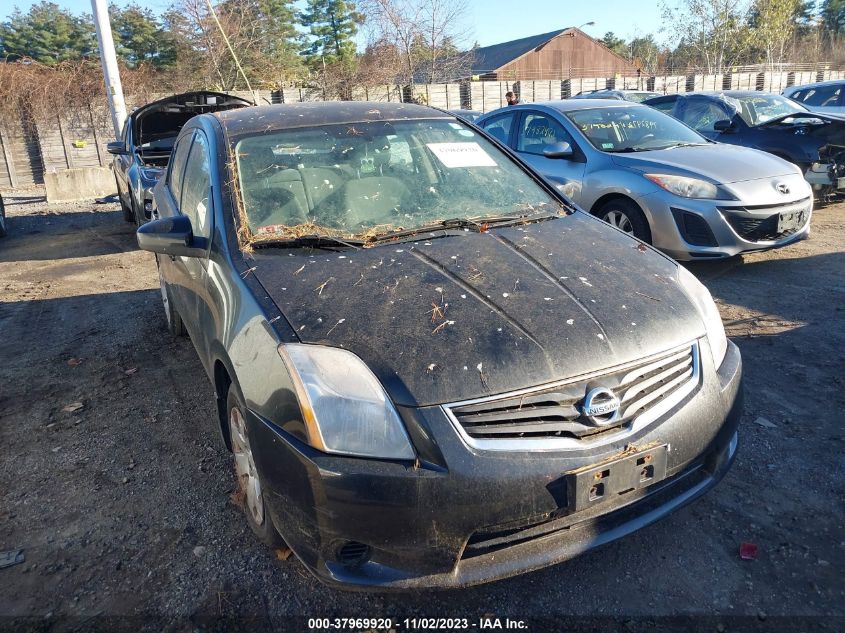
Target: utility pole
[{"x": 111, "y": 74}]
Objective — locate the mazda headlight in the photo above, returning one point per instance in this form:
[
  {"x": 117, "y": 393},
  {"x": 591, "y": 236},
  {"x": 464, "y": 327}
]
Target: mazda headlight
[
  {"x": 700, "y": 296},
  {"x": 345, "y": 408},
  {"x": 684, "y": 186}
]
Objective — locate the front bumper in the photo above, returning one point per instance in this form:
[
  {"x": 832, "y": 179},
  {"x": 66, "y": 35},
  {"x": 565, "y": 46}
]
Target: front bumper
[
  {"x": 828, "y": 174},
  {"x": 468, "y": 516},
  {"x": 665, "y": 210}
]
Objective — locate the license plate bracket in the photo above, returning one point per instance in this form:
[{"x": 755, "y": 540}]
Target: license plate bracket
[
  {"x": 790, "y": 221},
  {"x": 604, "y": 482}
]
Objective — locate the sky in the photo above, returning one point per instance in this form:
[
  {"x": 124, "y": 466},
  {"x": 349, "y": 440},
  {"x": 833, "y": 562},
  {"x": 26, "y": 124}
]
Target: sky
[{"x": 493, "y": 21}]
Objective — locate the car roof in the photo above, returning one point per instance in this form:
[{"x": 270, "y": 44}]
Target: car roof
[
  {"x": 816, "y": 84},
  {"x": 571, "y": 105},
  {"x": 568, "y": 105},
  {"x": 729, "y": 93},
  {"x": 310, "y": 114}
]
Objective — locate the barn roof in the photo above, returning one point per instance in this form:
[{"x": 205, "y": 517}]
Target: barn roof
[{"x": 490, "y": 58}]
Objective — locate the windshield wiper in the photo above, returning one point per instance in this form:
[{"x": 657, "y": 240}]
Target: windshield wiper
[
  {"x": 479, "y": 225},
  {"x": 684, "y": 145},
  {"x": 628, "y": 150},
  {"x": 308, "y": 241}
]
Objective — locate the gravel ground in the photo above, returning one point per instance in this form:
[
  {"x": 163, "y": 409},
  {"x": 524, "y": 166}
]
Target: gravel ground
[{"x": 113, "y": 481}]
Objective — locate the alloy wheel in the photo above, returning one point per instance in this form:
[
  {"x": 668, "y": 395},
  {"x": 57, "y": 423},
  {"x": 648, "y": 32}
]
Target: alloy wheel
[
  {"x": 245, "y": 471},
  {"x": 620, "y": 220}
]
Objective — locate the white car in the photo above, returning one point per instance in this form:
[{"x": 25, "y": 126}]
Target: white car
[{"x": 823, "y": 96}]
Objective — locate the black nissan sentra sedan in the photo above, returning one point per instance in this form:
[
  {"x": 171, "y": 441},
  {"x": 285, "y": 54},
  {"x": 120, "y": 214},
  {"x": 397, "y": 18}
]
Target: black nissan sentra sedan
[{"x": 431, "y": 369}]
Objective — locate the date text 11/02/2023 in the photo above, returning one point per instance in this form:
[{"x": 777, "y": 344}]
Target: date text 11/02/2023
[{"x": 416, "y": 624}]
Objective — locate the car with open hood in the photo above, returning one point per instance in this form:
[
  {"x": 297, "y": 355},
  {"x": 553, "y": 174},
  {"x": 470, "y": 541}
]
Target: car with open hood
[
  {"x": 142, "y": 152},
  {"x": 814, "y": 141},
  {"x": 431, "y": 369},
  {"x": 651, "y": 176}
]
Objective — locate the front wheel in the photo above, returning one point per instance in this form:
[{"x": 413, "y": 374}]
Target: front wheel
[
  {"x": 128, "y": 213},
  {"x": 249, "y": 492},
  {"x": 626, "y": 216}
]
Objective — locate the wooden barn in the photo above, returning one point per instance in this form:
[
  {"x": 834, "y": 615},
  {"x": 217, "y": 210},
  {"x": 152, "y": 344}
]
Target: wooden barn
[{"x": 563, "y": 54}]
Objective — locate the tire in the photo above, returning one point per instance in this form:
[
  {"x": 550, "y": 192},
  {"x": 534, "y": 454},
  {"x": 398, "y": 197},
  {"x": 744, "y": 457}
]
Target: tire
[
  {"x": 128, "y": 213},
  {"x": 175, "y": 325},
  {"x": 626, "y": 216},
  {"x": 2, "y": 218},
  {"x": 249, "y": 492}
]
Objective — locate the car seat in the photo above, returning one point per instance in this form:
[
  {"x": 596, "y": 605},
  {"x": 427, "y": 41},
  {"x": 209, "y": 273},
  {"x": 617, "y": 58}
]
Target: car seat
[
  {"x": 499, "y": 134},
  {"x": 273, "y": 192},
  {"x": 373, "y": 196}
]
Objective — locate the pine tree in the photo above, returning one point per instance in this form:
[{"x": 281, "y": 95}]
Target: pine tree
[
  {"x": 47, "y": 34},
  {"x": 138, "y": 37},
  {"x": 332, "y": 26},
  {"x": 833, "y": 16}
]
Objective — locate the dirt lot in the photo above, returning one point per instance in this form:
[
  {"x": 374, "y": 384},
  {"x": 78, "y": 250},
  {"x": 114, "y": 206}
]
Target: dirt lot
[{"x": 123, "y": 508}]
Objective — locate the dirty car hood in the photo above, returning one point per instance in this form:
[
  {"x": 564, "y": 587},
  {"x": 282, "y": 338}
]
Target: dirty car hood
[{"x": 453, "y": 318}]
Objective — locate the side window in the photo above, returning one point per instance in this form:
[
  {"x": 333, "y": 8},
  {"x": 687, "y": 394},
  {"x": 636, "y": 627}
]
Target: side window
[
  {"x": 821, "y": 96},
  {"x": 500, "y": 128},
  {"x": 196, "y": 187},
  {"x": 177, "y": 166},
  {"x": 538, "y": 132},
  {"x": 702, "y": 114}
]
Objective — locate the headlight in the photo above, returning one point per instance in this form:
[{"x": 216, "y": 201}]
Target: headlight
[
  {"x": 151, "y": 174},
  {"x": 684, "y": 186},
  {"x": 700, "y": 296},
  {"x": 345, "y": 408}
]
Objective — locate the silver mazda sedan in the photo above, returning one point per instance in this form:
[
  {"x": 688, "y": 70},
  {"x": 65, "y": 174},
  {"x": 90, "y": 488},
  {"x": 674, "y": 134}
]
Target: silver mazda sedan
[{"x": 650, "y": 175}]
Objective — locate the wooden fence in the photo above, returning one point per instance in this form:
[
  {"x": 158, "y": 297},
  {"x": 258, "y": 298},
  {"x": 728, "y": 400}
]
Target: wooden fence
[{"x": 78, "y": 138}]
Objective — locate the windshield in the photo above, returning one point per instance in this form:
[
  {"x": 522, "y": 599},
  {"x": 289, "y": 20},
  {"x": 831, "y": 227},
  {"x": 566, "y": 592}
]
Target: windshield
[
  {"x": 632, "y": 129},
  {"x": 757, "y": 109},
  {"x": 365, "y": 180}
]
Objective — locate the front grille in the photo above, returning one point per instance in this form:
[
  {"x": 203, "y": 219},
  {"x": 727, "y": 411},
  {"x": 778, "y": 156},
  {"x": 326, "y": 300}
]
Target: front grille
[
  {"x": 760, "y": 224},
  {"x": 555, "y": 412}
]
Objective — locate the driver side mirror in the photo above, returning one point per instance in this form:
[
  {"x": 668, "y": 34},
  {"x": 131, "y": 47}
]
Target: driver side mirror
[
  {"x": 559, "y": 150},
  {"x": 170, "y": 236},
  {"x": 723, "y": 126},
  {"x": 117, "y": 148}
]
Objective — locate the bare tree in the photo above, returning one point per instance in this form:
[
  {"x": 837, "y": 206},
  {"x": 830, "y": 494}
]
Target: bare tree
[
  {"x": 716, "y": 30},
  {"x": 773, "y": 27},
  {"x": 426, "y": 33},
  {"x": 257, "y": 36}
]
